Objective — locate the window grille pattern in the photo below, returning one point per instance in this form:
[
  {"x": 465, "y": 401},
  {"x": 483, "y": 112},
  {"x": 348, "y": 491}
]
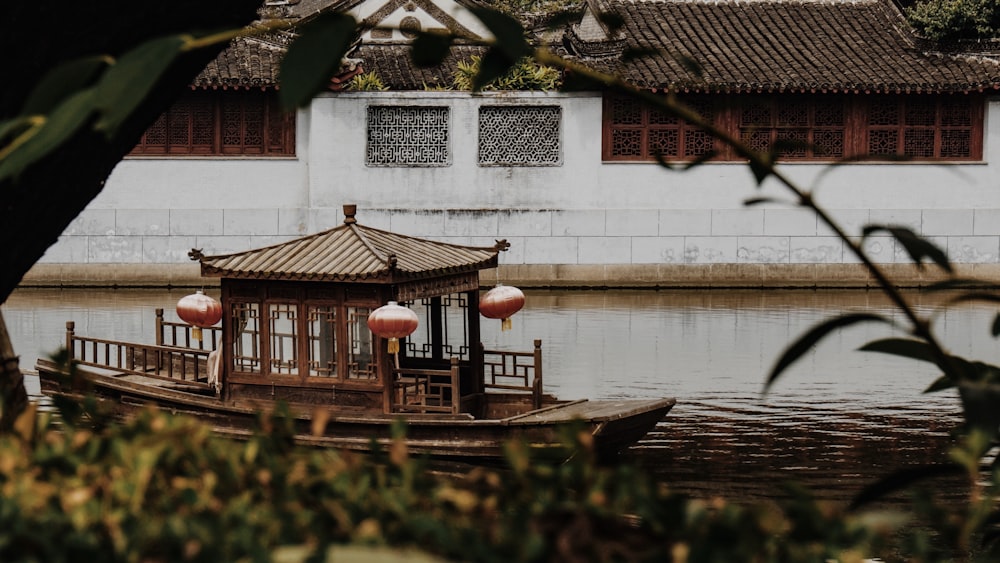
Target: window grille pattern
[
  {"x": 221, "y": 123},
  {"x": 449, "y": 315},
  {"x": 246, "y": 337},
  {"x": 407, "y": 136},
  {"x": 361, "y": 354},
  {"x": 322, "y": 327},
  {"x": 638, "y": 132},
  {"x": 282, "y": 326},
  {"x": 520, "y": 135},
  {"x": 799, "y": 129},
  {"x": 809, "y": 128},
  {"x": 923, "y": 128}
]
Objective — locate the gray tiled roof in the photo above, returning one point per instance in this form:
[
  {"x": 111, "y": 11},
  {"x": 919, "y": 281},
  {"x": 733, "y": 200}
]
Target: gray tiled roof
[
  {"x": 788, "y": 45},
  {"x": 352, "y": 252},
  {"x": 740, "y": 45}
]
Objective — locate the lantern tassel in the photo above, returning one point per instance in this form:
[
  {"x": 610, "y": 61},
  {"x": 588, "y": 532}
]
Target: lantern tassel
[
  {"x": 506, "y": 324},
  {"x": 393, "y": 345},
  {"x": 196, "y": 333}
]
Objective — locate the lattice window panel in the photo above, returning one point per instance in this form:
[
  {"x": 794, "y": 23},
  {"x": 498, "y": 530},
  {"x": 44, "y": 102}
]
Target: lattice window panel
[
  {"x": 361, "y": 354},
  {"x": 321, "y": 323},
  {"x": 452, "y": 322},
  {"x": 407, "y": 136},
  {"x": 924, "y": 128},
  {"x": 282, "y": 319},
  {"x": 520, "y": 136},
  {"x": 638, "y": 132},
  {"x": 806, "y": 128},
  {"x": 246, "y": 337},
  {"x": 221, "y": 123}
]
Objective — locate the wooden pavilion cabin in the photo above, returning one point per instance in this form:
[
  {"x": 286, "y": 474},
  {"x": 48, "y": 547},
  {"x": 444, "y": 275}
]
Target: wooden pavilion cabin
[{"x": 294, "y": 330}]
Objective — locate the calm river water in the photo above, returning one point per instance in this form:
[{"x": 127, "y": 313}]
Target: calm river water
[{"x": 835, "y": 421}]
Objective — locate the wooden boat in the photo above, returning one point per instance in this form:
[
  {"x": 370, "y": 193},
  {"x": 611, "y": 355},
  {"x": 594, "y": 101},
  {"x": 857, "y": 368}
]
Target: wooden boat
[{"x": 294, "y": 330}]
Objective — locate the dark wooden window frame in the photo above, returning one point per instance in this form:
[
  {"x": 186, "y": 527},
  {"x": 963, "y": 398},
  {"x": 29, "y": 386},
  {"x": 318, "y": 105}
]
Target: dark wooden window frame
[
  {"x": 302, "y": 298},
  {"x": 221, "y": 123},
  {"x": 857, "y": 132}
]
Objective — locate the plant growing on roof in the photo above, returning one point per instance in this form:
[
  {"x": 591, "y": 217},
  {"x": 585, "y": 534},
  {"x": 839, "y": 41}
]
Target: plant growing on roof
[
  {"x": 526, "y": 74},
  {"x": 950, "y": 20},
  {"x": 367, "y": 82}
]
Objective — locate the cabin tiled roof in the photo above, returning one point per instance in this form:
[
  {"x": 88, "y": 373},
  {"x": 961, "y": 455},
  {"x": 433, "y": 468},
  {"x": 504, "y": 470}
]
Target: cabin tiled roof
[
  {"x": 355, "y": 253},
  {"x": 786, "y": 45}
]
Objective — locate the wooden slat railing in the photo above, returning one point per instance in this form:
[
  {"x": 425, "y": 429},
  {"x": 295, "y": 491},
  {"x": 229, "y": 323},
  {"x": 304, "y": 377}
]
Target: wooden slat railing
[
  {"x": 514, "y": 371},
  {"x": 169, "y": 333},
  {"x": 426, "y": 390},
  {"x": 168, "y": 363}
]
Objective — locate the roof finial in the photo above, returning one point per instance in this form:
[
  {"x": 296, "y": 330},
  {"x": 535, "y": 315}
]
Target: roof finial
[{"x": 350, "y": 209}]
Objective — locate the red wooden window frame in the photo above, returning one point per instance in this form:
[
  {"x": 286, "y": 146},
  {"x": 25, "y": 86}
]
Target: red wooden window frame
[
  {"x": 819, "y": 128},
  {"x": 221, "y": 123}
]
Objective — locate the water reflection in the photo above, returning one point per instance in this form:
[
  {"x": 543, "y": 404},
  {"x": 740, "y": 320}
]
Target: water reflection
[{"x": 837, "y": 419}]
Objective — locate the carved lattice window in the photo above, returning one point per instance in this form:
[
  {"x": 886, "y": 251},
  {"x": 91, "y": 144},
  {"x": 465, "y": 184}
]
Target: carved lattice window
[
  {"x": 221, "y": 123},
  {"x": 282, "y": 326},
  {"x": 520, "y": 135},
  {"x": 407, "y": 136},
  {"x": 924, "y": 128},
  {"x": 322, "y": 327},
  {"x": 441, "y": 319},
  {"x": 803, "y": 128},
  {"x": 361, "y": 354},
  {"x": 246, "y": 337},
  {"x": 637, "y": 132}
]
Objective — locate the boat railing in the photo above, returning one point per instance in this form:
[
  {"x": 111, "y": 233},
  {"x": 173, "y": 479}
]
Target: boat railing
[
  {"x": 169, "y": 333},
  {"x": 519, "y": 372},
  {"x": 426, "y": 391},
  {"x": 174, "y": 364}
]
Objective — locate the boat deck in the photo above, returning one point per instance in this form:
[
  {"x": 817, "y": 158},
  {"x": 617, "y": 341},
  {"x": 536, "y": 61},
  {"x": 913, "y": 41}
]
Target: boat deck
[{"x": 597, "y": 411}]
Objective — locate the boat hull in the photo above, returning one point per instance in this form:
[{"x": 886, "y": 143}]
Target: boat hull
[{"x": 613, "y": 424}]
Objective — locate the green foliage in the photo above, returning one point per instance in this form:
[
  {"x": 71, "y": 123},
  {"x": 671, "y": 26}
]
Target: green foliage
[
  {"x": 367, "y": 82},
  {"x": 314, "y": 57},
  {"x": 948, "y": 20},
  {"x": 525, "y": 75},
  {"x": 164, "y": 488},
  {"x": 518, "y": 7}
]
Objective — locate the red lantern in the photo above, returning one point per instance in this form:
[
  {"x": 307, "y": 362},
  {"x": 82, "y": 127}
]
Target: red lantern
[
  {"x": 501, "y": 302},
  {"x": 393, "y": 322},
  {"x": 200, "y": 311}
]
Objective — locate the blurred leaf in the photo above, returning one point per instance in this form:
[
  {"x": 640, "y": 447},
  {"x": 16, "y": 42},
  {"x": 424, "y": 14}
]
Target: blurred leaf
[
  {"x": 916, "y": 246},
  {"x": 814, "y": 335},
  {"x": 636, "y": 53},
  {"x": 128, "y": 81},
  {"x": 662, "y": 161},
  {"x": 430, "y": 49},
  {"x": 701, "y": 159},
  {"x": 903, "y": 347},
  {"x": 690, "y": 64},
  {"x": 507, "y": 31},
  {"x": 492, "y": 66},
  {"x": 761, "y": 170},
  {"x": 903, "y": 479},
  {"x": 760, "y": 200},
  {"x": 612, "y": 21},
  {"x": 62, "y": 81},
  {"x": 784, "y": 146},
  {"x": 940, "y": 384},
  {"x": 995, "y": 329},
  {"x": 64, "y": 122},
  {"x": 314, "y": 57}
]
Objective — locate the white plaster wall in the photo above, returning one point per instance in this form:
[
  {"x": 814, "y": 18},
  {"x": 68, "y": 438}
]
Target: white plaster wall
[{"x": 581, "y": 212}]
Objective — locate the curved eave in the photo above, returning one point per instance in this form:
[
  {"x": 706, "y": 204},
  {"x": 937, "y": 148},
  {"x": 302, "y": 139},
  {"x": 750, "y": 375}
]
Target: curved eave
[{"x": 384, "y": 276}]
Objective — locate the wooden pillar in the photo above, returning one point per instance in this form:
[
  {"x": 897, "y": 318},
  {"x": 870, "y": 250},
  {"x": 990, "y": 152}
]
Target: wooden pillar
[
  {"x": 475, "y": 343},
  {"x": 159, "y": 327},
  {"x": 536, "y": 386},
  {"x": 437, "y": 329}
]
